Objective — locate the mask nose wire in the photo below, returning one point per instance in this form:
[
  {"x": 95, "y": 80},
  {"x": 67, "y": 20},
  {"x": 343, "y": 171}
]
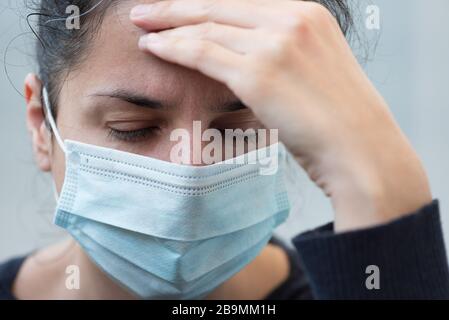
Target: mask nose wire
[{"x": 51, "y": 119}]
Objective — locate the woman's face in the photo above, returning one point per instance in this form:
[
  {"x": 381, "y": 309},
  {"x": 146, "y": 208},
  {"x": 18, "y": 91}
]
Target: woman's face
[{"x": 122, "y": 98}]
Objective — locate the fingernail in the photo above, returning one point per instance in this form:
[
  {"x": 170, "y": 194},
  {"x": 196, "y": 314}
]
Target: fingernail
[
  {"x": 148, "y": 39},
  {"x": 140, "y": 10}
]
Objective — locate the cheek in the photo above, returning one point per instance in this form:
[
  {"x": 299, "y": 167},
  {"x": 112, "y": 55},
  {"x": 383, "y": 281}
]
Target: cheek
[{"x": 57, "y": 166}]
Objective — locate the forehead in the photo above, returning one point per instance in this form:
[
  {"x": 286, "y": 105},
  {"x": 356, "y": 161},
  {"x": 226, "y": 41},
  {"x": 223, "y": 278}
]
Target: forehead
[{"x": 114, "y": 60}]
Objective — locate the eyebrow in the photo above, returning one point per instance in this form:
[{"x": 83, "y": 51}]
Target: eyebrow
[
  {"x": 133, "y": 98},
  {"x": 144, "y": 101},
  {"x": 232, "y": 107}
]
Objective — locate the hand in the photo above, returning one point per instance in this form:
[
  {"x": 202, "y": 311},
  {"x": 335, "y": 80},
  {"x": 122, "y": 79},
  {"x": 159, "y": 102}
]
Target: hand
[{"x": 290, "y": 63}]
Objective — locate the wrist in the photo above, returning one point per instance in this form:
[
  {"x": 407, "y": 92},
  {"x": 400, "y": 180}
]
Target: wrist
[
  {"x": 374, "y": 185},
  {"x": 379, "y": 193}
]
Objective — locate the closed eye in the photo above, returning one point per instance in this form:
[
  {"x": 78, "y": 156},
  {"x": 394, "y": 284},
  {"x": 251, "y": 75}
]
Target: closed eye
[{"x": 133, "y": 135}]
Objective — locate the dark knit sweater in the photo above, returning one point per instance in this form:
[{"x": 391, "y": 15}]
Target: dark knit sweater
[{"x": 408, "y": 256}]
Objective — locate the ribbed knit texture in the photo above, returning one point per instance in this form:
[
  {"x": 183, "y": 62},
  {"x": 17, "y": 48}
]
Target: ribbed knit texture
[{"x": 409, "y": 252}]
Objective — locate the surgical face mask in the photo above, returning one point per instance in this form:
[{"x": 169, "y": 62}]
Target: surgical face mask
[{"x": 169, "y": 231}]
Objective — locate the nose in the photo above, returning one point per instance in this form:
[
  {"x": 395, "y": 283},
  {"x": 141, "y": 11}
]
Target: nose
[{"x": 195, "y": 145}]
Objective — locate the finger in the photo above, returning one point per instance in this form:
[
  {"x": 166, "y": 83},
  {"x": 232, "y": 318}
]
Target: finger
[
  {"x": 175, "y": 13},
  {"x": 239, "y": 40},
  {"x": 205, "y": 56}
]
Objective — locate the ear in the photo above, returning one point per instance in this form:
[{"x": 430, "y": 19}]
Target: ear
[{"x": 40, "y": 136}]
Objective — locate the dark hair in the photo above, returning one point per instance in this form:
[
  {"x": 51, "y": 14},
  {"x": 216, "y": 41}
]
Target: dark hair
[{"x": 60, "y": 50}]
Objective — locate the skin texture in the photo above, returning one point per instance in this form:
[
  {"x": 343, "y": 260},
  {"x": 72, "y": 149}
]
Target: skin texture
[
  {"x": 187, "y": 96},
  {"x": 291, "y": 64},
  {"x": 286, "y": 60}
]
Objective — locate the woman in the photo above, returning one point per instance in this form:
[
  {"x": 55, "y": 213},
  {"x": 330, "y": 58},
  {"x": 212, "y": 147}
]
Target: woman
[{"x": 120, "y": 86}]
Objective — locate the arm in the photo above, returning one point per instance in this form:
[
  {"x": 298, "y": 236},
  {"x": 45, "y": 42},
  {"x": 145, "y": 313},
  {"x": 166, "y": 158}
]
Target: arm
[{"x": 289, "y": 62}]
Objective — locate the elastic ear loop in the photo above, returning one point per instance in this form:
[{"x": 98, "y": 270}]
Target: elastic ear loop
[
  {"x": 51, "y": 120},
  {"x": 53, "y": 127}
]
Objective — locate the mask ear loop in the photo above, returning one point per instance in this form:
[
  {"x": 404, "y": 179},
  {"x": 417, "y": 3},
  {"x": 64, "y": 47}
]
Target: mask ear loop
[
  {"x": 55, "y": 131},
  {"x": 51, "y": 119}
]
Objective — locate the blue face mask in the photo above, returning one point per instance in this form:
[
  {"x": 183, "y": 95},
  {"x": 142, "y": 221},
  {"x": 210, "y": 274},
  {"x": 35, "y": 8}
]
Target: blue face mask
[{"x": 169, "y": 231}]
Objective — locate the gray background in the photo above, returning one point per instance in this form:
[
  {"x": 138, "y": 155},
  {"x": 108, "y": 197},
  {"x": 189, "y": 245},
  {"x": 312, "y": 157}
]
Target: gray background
[{"x": 410, "y": 67}]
